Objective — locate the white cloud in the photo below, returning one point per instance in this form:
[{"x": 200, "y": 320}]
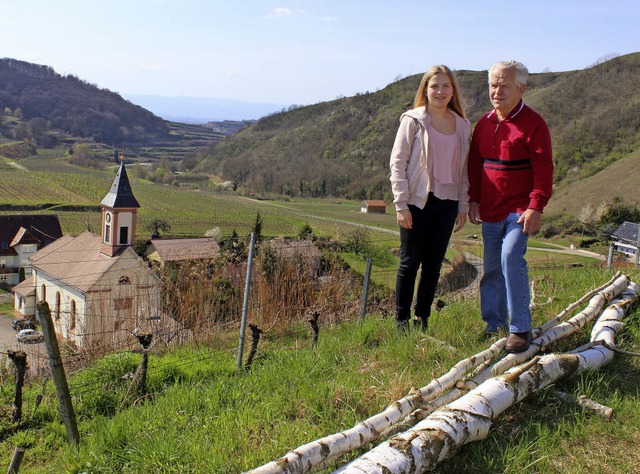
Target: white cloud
[{"x": 279, "y": 12}]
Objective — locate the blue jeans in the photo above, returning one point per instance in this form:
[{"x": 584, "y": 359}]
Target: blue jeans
[{"x": 504, "y": 288}]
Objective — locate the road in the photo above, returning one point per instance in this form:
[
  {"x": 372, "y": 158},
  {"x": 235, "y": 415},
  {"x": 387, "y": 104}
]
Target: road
[
  {"x": 7, "y": 334},
  {"x": 37, "y": 359}
]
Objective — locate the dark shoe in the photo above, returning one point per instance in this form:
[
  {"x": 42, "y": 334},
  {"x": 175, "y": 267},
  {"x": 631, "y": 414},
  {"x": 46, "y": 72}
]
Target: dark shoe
[
  {"x": 421, "y": 324},
  {"x": 518, "y": 342}
]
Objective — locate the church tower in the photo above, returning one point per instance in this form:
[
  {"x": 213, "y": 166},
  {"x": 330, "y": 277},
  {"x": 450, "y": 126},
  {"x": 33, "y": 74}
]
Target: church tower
[{"x": 119, "y": 209}]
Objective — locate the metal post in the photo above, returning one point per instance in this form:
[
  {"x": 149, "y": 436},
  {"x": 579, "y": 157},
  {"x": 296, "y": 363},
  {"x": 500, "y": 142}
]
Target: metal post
[
  {"x": 245, "y": 303},
  {"x": 365, "y": 290},
  {"x": 610, "y": 255},
  {"x": 57, "y": 369}
]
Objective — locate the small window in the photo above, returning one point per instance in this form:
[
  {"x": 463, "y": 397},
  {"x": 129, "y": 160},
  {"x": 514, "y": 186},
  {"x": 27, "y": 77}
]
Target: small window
[
  {"x": 107, "y": 231},
  {"x": 124, "y": 235},
  {"x": 124, "y": 280},
  {"x": 57, "y": 313},
  {"x": 72, "y": 316}
]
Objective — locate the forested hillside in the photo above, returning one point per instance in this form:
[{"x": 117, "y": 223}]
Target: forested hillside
[
  {"x": 341, "y": 148},
  {"x": 42, "y": 99}
]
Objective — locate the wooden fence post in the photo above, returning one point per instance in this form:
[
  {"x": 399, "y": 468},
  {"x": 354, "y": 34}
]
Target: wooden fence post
[
  {"x": 19, "y": 359},
  {"x": 145, "y": 342},
  {"x": 57, "y": 370},
  {"x": 365, "y": 290},
  {"x": 245, "y": 304},
  {"x": 18, "y": 454},
  {"x": 316, "y": 329},
  {"x": 255, "y": 334}
]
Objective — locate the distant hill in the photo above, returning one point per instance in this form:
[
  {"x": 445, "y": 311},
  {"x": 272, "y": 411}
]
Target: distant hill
[
  {"x": 341, "y": 148},
  {"x": 338, "y": 148},
  {"x": 49, "y": 110},
  {"x": 44, "y": 100}
]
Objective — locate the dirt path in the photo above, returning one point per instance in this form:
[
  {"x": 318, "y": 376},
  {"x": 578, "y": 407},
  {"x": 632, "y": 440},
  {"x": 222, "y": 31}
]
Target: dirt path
[{"x": 16, "y": 165}]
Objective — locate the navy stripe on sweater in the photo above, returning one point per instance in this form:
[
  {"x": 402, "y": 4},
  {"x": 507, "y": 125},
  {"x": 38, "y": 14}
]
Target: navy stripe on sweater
[{"x": 504, "y": 165}]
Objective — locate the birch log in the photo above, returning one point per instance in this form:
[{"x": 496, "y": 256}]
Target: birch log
[
  {"x": 416, "y": 406},
  {"x": 548, "y": 334},
  {"x": 317, "y": 453},
  {"x": 552, "y": 335},
  {"x": 469, "y": 418}
]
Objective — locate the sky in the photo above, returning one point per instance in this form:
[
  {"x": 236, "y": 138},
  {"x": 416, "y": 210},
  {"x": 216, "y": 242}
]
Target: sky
[{"x": 303, "y": 52}]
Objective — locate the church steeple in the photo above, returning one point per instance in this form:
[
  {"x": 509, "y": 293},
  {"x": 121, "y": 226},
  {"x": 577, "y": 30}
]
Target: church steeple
[{"x": 119, "y": 209}]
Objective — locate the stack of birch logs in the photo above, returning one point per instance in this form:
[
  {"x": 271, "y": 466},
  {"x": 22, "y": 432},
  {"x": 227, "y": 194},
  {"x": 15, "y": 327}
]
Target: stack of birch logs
[{"x": 432, "y": 423}]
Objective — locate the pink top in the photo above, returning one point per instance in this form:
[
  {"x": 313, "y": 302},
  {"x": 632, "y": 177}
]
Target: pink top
[{"x": 445, "y": 165}]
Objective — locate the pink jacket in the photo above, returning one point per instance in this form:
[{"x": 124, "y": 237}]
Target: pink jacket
[{"x": 410, "y": 179}]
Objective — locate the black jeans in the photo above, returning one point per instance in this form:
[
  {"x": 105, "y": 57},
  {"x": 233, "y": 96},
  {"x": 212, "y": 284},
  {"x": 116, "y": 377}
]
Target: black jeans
[{"x": 424, "y": 246}]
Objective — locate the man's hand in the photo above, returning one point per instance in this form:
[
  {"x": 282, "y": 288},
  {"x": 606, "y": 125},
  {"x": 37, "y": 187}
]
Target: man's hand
[
  {"x": 404, "y": 219},
  {"x": 461, "y": 220},
  {"x": 530, "y": 219},
  {"x": 474, "y": 213}
]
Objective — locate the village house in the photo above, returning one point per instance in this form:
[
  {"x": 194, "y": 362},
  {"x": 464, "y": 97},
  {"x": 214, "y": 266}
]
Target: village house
[
  {"x": 20, "y": 237},
  {"x": 174, "y": 252},
  {"x": 302, "y": 251},
  {"x": 373, "y": 207},
  {"x": 98, "y": 289},
  {"x": 626, "y": 239}
]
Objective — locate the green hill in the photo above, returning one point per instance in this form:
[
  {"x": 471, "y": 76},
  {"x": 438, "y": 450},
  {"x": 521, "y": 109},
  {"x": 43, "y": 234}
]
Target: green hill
[
  {"x": 335, "y": 149},
  {"x": 50, "y": 111},
  {"x": 44, "y": 100},
  {"x": 341, "y": 148}
]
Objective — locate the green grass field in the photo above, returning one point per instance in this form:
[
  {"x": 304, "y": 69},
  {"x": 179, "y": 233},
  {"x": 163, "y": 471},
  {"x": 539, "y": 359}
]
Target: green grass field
[{"x": 206, "y": 416}]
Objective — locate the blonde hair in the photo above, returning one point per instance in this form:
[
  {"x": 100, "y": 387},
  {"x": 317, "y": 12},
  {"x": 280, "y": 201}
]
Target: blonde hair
[{"x": 455, "y": 104}]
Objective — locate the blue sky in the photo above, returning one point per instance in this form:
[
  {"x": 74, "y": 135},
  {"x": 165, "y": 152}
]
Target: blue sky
[{"x": 303, "y": 52}]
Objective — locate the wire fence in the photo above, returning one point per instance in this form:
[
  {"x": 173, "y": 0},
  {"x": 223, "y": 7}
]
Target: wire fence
[{"x": 292, "y": 291}]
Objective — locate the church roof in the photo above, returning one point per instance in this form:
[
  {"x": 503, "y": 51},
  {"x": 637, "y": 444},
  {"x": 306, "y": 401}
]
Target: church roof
[
  {"x": 75, "y": 261},
  {"x": 120, "y": 195}
]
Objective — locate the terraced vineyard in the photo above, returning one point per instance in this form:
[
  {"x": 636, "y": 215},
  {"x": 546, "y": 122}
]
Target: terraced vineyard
[{"x": 42, "y": 184}]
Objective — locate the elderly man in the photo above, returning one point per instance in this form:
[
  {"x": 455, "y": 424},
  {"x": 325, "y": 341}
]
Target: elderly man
[{"x": 510, "y": 178}]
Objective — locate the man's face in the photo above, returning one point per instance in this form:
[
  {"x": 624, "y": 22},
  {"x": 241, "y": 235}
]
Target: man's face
[{"x": 503, "y": 91}]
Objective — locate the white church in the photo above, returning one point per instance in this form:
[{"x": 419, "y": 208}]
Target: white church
[{"x": 98, "y": 289}]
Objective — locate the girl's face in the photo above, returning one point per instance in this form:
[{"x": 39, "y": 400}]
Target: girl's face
[{"x": 439, "y": 90}]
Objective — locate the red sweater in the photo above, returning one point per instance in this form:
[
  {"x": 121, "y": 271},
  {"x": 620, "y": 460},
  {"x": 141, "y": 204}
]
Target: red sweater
[{"x": 510, "y": 164}]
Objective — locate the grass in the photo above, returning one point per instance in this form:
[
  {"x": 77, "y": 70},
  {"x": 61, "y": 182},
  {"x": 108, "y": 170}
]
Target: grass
[{"x": 206, "y": 416}]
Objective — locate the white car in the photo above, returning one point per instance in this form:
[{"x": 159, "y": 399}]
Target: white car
[{"x": 29, "y": 336}]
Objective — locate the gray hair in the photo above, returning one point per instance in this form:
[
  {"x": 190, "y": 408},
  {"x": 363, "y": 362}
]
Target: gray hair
[{"x": 522, "y": 73}]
